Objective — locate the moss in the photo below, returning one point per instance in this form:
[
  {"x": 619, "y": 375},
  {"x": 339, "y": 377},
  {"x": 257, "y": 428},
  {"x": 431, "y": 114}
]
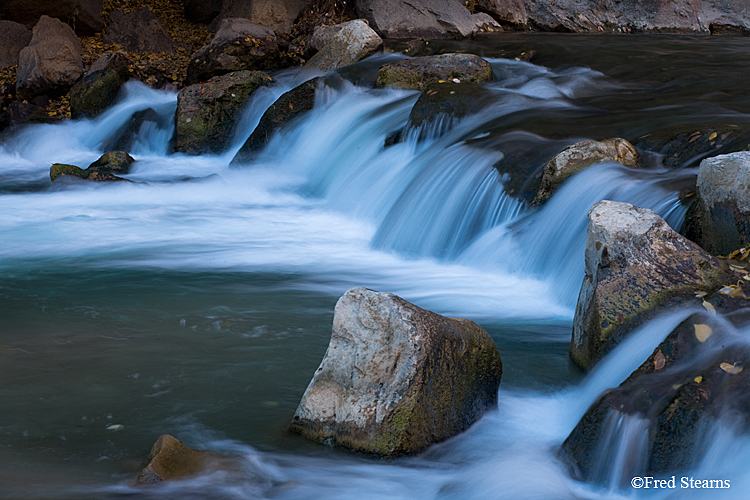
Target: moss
[{"x": 59, "y": 169}]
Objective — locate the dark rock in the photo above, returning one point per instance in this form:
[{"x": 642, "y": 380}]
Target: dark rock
[
  {"x": 396, "y": 378},
  {"x": 280, "y": 114},
  {"x": 351, "y": 42},
  {"x": 719, "y": 218},
  {"x": 116, "y": 162},
  {"x": 277, "y": 15},
  {"x": 419, "y": 47},
  {"x": 635, "y": 264},
  {"x": 419, "y": 72},
  {"x": 100, "y": 86},
  {"x": 138, "y": 31},
  {"x": 207, "y": 112},
  {"x": 171, "y": 460},
  {"x": 580, "y": 156},
  {"x": 423, "y": 18},
  {"x": 103, "y": 169},
  {"x": 13, "y": 37},
  {"x": 202, "y": 11},
  {"x": 124, "y": 138},
  {"x": 238, "y": 45},
  {"x": 84, "y": 16},
  {"x": 51, "y": 63},
  {"x": 685, "y": 148},
  {"x": 20, "y": 113}
]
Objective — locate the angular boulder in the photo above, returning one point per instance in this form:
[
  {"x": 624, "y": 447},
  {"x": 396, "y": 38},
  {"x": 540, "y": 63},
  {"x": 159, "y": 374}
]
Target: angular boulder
[
  {"x": 103, "y": 169},
  {"x": 277, "y": 15},
  {"x": 719, "y": 218},
  {"x": 352, "y": 42},
  {"x": 635, "y": 265},
  {"x": 396, "y": 378},
  {"x": 417, "y": 73},
  {"x": 84, "y": 16},
  {"x": 238, "y": 45},
  {"x": 423, "y": 18},
  {"x": 207, "y": 112},
  {"x": 13, "y": 37},
  {"x": 51, "y": 63},
  {"x": 581, "y": 155},
  {"x": 170, "y": 460},
  {"x": 100, "y": 86},
  {"x": 138, "y": 31},
  {"x": 286, "y": 109}
]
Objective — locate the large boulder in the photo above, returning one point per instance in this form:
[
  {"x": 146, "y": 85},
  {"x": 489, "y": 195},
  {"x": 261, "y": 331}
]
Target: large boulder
[
  {"x": 279, "y": 115},
  {"x": 352, "y": 42},
  {"x": 635, "y": 264},
  {"x": 277, "y": 15},
  {"x": 51, "y": 63},
  {"x": 423, "y": 18},
  {"x": 719, "y": 218},
  {"x": 100, "y": 86},
  {"x": 581, "y": 155},
  {"x": 396, "y": 378},
  {"x": 419, "y": 72},
  {"x": 656, "y": 419},
  {"x": 13, "y": 37},
  {"x": 238, "y": 45},
  {"x": 207, "y": 112},
  {"x": 170, "y": 460},
  {"x": 202, "y": 11},
  {"x": 138, "y": 31},
  {"x": 84, "y": 16},
  {"x": 103, "y": 169}
]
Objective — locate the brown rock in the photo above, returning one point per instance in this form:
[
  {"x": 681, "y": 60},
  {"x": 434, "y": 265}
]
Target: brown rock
[
  {"x": 138, "y": 31},
  {"x": 419, "y": 72},
  {"x": 84, "y": 16},
  {"x": 13, "y": 37},
  {"x": 171, "y": 460},
  {"x": 277, "y": 15}
]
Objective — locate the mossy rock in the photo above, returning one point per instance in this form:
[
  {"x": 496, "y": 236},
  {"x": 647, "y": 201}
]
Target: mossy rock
[
  {"x": 59, "y": 169},
  {"x": 100, "y": 86},
  {"x": 418, "y": 73},
  {"x": 103, "y": 169},
  {"x": 116, "y": 162}
]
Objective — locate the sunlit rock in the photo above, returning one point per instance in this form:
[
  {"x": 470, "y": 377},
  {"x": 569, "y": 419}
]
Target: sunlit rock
[
  {"x": 100, "y": 86},
  {"x": 349, "y": 43},
  {"x": 397, "y": 378},
  {"x": 208, "y": 112},
  {"x": 419, "y": 72},
  {"x": 635, "y": 264},
  {"x": 719, "y": 218},
  {"x": 581, "y": 155}
]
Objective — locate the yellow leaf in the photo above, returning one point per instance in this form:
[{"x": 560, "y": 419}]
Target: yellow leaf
[
  {"x": 659, "y": 361},
  {"x": 676, "y": 386},
  {"x": 702, "y": 332},
  {"x": 441, "y": 81},
  {"x": 728, "y": 289},
  {"x": 698, "y": 379},
  {"x": 712, "y": 136},
  {"x": 731, "y": 369},
  {"x": 709, "y": 307},
  {"x": 746, "y": 278},
  {"x": 745, "y": 255},
  {"x": 734, "y": 254}
]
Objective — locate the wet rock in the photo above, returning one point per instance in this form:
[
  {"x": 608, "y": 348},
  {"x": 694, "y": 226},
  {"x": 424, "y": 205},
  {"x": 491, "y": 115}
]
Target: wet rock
[
  {"x": 51, "y": 63},
  {"x": 697, "y": 376},
  {"x": 100, "y": 86},
  {"x": 396, "y": 378},
  {"x": 171, "y": 460},
  {"x": 84, "y": 16},
  {"x": 279, "y": 115},
  {"x": 419, "y": 72},
  {"x": 238, "y": 45},
  {"x": 138, "y": 31},
  {"x": 581, "y": 155},
  {"x": 635, "y": 265},
  {"x": 116, "y": 162},
  {"x": 719, "y": 218},
  {"x": 207, "y": 112},
  {"x": 13, "y": 37},
  {"x": 419, "y": 47},
  {"x": 103, "y": 169},
  {"x": 685, "y": 148},
  {"x": 423, "y": 18},
  {"x": 141, "y": 122},
  {"x": 352, "y": 42},
  {"x": 277, "y": 15}
]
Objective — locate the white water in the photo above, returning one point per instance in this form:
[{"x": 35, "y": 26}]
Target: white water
[{"x": 426, "y": 219}]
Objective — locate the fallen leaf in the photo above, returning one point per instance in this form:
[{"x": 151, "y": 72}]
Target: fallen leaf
[
  {"x": 745, "y": 255},
  {"x": 734, "y": 254},
  {"x": 698, "y": 379},
  {"x": 676, "y": 386},
  {"x": 731, "y": 369},
  {"x": 709, "y": 307},
  {"x": 659, "y": 361},
  {"x": 728, "y": 289},
  {"x": 700, "y": 294},
  {"x": 702, "y": 332},
  {"x": 712, "y": 136}
]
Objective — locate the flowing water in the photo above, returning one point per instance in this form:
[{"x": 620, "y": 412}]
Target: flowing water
[{"x": 197, "y": 300}]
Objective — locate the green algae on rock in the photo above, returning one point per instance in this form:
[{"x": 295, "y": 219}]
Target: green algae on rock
[{"x": 418, "y": 73}]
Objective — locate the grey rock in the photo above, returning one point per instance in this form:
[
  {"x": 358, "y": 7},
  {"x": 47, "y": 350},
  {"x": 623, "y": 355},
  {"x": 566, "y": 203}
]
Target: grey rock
[
  {"x": 138, "y": 31},
  {"x": 419, "y": 72},
  {"x": 13, "y": 37},
  {"x": 277, "y": 15},
  {"x": 397, "y": 378},
  {"x": 352, "y": 42}
]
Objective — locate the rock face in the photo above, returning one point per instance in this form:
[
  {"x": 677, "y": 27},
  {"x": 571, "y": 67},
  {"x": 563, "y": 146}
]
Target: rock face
[
  {"x": 51, "y": 63},
  {"x": 423, "y": 18},
  {"x": 138, "y": 31},
  {"x": 207, "y": 112},
  {"x": 277, "y": 15},
  {"x": 13, "y": 37},
  {"x": 698, "y": 375},
  {"x": 670, "y": 16},
  {"x": 581, "y": 155},
  {"x": 719, "y": 218},
  {"x": 171, "y": 460},
  {"x": 419, "y": 72},
  {"x": 84, "y": 16},
  {"x": 635, "y": 263},
  {"x": 397, "y": 378},
  {"x": 238, "y": 45},
  {"x": 100, "y": 86},
  {"x": 289, "y": 106},
  {"x": 103, "y": 169},
  {"x": 351, "y": 42}
]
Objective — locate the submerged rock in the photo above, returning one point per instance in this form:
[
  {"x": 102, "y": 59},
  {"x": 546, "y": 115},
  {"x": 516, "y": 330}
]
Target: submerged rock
[
  {"x": 100, "y": 86},
  {"x": 396, "y": 378},
  {"x": 419, "y": 72},
  {"x": 171, "y": 460},
  {"x": 582, "y": 155},
  {"x": 207, "y": 112},
  {"x": 349, "y": 43},
  {"x": 635, "y": 264},
  {"x": 719, "y": 218},
  {"x": 103, "y": 169}
]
